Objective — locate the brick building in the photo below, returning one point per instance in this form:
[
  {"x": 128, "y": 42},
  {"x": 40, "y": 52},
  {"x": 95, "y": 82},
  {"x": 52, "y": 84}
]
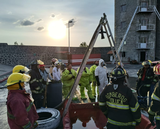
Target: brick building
[{"x": 143, "y": 40}]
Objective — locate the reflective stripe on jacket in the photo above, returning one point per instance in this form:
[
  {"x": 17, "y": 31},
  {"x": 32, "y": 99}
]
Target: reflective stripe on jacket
[
  {"x": 155, "y": 106},
  {"x": 149, "y": 76},
  {"x": 36, "y": 82},
  {"x": 21, "y": 111},
  {"x": 120, "y": 106}
]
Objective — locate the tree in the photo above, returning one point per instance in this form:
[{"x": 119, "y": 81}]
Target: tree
[
  {"x": 15, "y": 43},
  {"x": 83, "y": 44},
  {"x": 21, "y": 43}
]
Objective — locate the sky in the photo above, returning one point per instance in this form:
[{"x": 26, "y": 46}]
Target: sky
[{"x": 29, "y": 21}]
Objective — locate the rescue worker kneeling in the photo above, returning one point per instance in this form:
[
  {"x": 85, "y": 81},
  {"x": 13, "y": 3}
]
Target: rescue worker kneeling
[
  {"x": 21, "y": 111},
  {"x": 118, "y": 103}
]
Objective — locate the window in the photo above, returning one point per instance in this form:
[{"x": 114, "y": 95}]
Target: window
[
  {"x": 143, "y": 39},
  {"x": 123, "y": 8},
  {"x": 123, "y": 54},
  {"x": 144, "y": 22},
  {"x": 123, "y": 24},
  {"x": 144, "y": 4}
]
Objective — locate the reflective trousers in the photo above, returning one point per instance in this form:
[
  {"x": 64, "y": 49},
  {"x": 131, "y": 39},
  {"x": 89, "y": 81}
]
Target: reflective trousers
[
  {"x": 94, "y": 86},
  {"x": 88, "y": 87}
]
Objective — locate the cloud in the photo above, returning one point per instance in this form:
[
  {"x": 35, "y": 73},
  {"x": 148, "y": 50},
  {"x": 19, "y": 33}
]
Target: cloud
[
  {"x": 70, "y": 23},
  {"x": 9, "y": 13},
  {"x": 52, "y": 15},
  {"x": 39, "y": 20},
  {"x": 26, "y": 23},
  {"x": 16, "y": 22},
  {"x": 40, "y": 28}
]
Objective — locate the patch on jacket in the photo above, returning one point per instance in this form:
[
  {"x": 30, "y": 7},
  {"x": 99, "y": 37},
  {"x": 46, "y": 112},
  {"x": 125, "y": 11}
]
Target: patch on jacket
[{"x": 115, "y": 86}]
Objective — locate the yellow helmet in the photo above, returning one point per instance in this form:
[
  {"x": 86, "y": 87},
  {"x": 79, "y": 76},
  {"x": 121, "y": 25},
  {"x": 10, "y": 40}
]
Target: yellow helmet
[
  {"x": 15, "y": 78},
  {"x": 37, "y": 62},
  {"x": 20, "y": 69}
]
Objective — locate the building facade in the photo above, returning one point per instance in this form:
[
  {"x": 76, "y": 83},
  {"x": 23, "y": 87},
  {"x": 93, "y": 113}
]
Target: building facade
[{"x": 143, "y": 39}]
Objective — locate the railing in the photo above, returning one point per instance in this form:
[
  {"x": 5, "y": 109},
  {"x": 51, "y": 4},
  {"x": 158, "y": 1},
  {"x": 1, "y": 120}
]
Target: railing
[
  {"x": 148, "y": 27},
  {"x": 144, "y": 45},
  {"x": 148, "y": 9}
]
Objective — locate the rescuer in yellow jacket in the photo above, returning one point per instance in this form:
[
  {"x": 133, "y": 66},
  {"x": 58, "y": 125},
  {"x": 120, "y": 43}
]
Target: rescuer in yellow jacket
[
  {"x": 85, "y": 82},
  {"x": 68, "y": 78}
]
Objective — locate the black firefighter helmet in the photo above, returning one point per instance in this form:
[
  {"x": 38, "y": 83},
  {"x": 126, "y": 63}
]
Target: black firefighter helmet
[{"x": 117, "y": 74}]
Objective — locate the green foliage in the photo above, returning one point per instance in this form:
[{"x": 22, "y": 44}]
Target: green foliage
[{"x": 83, "y": 44}]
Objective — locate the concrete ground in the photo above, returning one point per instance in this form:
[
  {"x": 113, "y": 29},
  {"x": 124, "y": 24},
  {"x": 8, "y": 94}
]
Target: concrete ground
[
  {"x": 5, "y": 68},
  {"x": 131, "y": 69}
]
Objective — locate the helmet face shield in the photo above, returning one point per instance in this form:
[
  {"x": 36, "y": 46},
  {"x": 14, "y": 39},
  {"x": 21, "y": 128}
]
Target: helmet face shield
[
  {"x": 146, "y": 63},
  {"x": 26, "y": 78},
  {"x": 57, "y": 63},
  {"x": 26, "y": 70}
]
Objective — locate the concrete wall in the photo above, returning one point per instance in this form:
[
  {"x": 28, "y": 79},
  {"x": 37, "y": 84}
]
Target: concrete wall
[
  {"x": 158, "y": 34},
  {"x": 17, "y": 54},
  {"x": 132, "y": 39}
]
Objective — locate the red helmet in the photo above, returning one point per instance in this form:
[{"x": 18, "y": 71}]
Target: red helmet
[
  {"x": 54, "y": 60},
  {"x": 156, "y": 69}
]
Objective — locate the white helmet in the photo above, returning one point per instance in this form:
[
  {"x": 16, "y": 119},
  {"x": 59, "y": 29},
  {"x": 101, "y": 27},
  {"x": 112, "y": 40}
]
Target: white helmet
[
  {"x": 54, "y": 60},
  {"x": 57, "y": 63}
]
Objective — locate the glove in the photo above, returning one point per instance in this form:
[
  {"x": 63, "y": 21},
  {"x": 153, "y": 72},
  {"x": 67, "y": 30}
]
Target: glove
[
  {"x": 79, "y": 84},
  {"x": 98, "y": 83},
  {"x": 97, "y": 79},
  {"x": 151, "y": 118}
]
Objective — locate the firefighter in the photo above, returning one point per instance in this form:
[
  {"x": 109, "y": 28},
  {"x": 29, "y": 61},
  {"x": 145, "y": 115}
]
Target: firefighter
[
  {"x": 146, "y": 80},
  {"x": 53, "y": 64},
  {"x": 56, "y": 72},
  {"x": 45, "y": 75},
  {"x": 154, "y": 109},
  {"x": 68, "y": 78},
  {"x": 36, "y": 84},
  {"x": 118, "y": 103},
  {"x": 21, "y": 111},
  {"x": 101, "y": 76},
  {"x": 85, "y": 82},
  {"x": 94, "y": 82}
]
